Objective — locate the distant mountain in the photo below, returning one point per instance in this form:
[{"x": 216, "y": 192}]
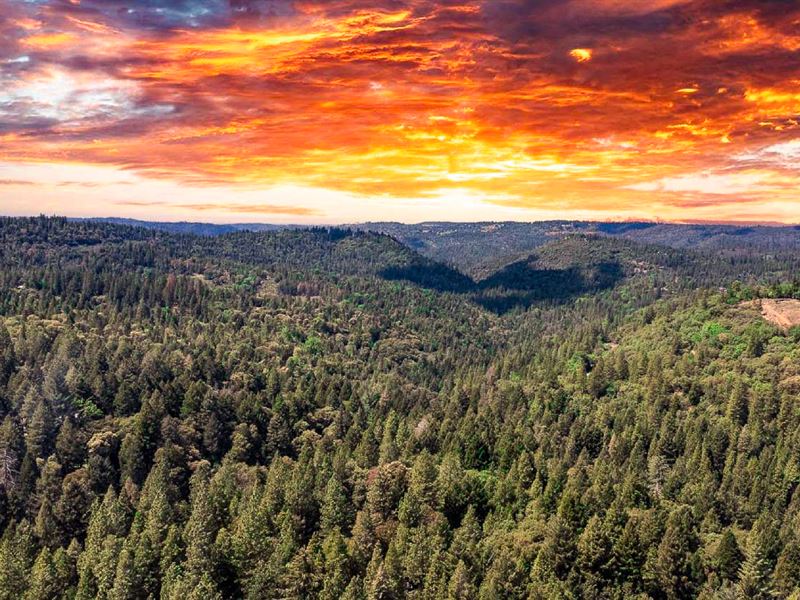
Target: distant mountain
[
  {"x": 586, "y": 264},
  {"x": 472, "y": 247},
  {"x": 185, "y": 227},
  {"x": 478, "y": 248}
]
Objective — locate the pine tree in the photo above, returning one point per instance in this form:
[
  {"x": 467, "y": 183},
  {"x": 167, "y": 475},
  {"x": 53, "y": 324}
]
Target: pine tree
[
  {"x": 377, "y": 583},
  {"x": 450, "y": 493},
  {"x": 17, "y": 550},
  {"x": 354, "y": 590},
  {"x": 676, "y": 568},
  {"x": 126, "y": 584},
  {"x": 38, "y": 433},
  {"x": 755, "y": 574},
  {"x": 201, "y": 531},
  {"x": 593, "y": 554},
  {"x": 335, "y": 512},
  {"x": 466, "y": 540},
  {"x": 460, "y": 586},
  {"x": 70, "y": 446},
  {"x": 7, "y": 355},
  {"x": 336, "y": 567},
  {"x": 73, "y": 507},
  {"x": 44, "y": 581},
  {"x": 738, "y": 404},
  {"x": 728, "y": 557},
  {"x": 787, "y": 570}
]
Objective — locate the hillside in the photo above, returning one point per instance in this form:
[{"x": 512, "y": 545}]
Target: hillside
[
  {"x": 322, "y": 413},
  {"x": 474, "y": 247},
  {"x": 477, "y": 248},
  {"x": 192, "y": 228},
  {"x": 783, "y": 312}
]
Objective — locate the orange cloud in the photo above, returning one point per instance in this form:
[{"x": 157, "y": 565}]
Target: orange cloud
[
  {"x": 266, "y": 209},
  {"x": 581, "y": 54},
  {"x": 414, "y": 99},
  {"x": 46, "y": 41}
]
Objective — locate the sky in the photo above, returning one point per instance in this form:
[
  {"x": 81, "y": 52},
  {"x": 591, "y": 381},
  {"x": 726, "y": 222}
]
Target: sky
[{"x": 340, "y": 111}]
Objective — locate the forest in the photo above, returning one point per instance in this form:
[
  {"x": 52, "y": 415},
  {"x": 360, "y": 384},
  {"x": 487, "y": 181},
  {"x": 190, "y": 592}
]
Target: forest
[{"x": 328, "y": 413}]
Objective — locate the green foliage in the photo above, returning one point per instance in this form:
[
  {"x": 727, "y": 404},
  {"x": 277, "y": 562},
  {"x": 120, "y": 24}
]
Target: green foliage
[{"x": 326, "y": 414}]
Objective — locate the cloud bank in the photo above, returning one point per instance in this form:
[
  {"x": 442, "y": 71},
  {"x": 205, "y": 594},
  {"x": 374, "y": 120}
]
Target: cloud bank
[{"x": 659, "y": 108}]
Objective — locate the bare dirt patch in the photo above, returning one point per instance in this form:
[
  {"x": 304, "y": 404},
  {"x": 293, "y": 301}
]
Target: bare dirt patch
[{"x": 785, "y": 312}]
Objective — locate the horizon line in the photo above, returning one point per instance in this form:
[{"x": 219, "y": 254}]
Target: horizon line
[{"x": 156, "y": 220}]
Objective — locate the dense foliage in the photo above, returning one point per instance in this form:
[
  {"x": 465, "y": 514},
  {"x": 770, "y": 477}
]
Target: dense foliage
[
  {"x": 477, "y": 247},
  {"x": 326, "y": 414},
  {"x": 480, "y": 248}
]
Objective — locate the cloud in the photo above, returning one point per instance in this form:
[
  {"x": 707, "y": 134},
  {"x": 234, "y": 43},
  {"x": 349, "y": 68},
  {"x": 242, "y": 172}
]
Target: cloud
[
  {"x": 91, "y": 184},
  {"x": 784, "y": 154},
  {"x": 266, "y": 209},
  {"x": 409, "y": 98},
  {"x": 737, "y": 184},
  {"x": 581, "y": 54},
  {"x": 4, "y": 182},
  {"x": 623, "y": 7}
]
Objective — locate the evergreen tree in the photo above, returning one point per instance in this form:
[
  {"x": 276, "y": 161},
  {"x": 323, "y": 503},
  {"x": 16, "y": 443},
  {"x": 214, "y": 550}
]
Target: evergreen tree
[
  {"x": 787, "y": 571},
  {"x": 755, "y": 574},
  {"x": 728, "y": 557},
  {"x": 676, "y": 563},
  {"x": 16, "y": 560}
]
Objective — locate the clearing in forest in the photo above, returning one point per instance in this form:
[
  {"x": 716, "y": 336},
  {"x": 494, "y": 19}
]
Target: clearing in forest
[{"x": 784, "y": 312}]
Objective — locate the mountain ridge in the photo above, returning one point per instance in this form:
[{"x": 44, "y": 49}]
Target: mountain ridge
[{"x": 474, "y": 247}]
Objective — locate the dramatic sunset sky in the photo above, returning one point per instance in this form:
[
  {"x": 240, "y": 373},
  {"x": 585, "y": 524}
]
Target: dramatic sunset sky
[{"x": 347, "y": 110}]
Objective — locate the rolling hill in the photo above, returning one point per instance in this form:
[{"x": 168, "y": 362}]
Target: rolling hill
[{"x": 327, "y": 413}]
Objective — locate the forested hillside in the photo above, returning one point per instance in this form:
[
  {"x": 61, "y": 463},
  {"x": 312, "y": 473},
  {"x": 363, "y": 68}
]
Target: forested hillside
[
  {"x": 478, "y": 248},
  {"x": 475, "y": 247},
  {"x": 193, "y": 228},
  {"x": 327, "y": 414}
]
